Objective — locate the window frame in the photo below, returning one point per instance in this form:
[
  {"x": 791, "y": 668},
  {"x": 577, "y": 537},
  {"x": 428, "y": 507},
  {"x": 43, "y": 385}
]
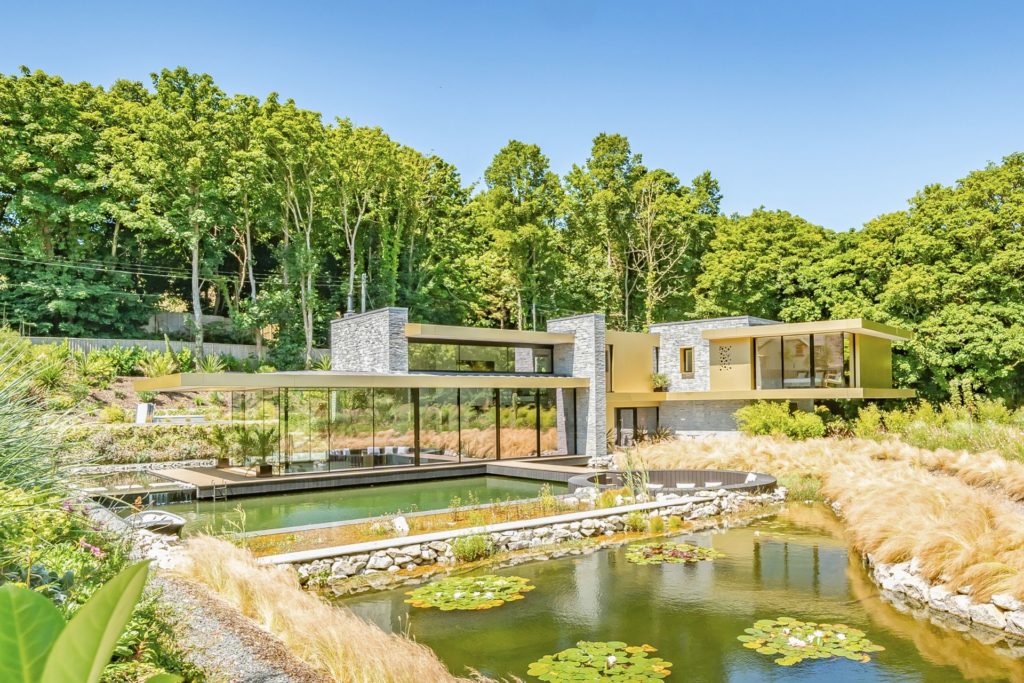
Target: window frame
[{"x": 686, "y": 357}]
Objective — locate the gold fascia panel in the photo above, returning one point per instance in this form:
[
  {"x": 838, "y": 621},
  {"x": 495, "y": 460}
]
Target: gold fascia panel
[
  {"x": 789, "y": 394},
  {"x": 486, "y": 335},
  {"x": 854, "y": 325},
  {"x": 241, "y": 381}
]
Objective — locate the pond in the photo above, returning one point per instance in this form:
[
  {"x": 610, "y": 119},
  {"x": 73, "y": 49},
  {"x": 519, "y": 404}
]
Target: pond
[
  {"x": 335, "y": 505},
  {"x": 794, "y": 564}
]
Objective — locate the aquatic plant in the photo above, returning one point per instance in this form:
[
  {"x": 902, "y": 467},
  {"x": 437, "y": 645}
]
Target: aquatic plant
[
  {"x": 472, "y": 548},
  {"x": 597, "y": 661},
  {"x": 671, "y": 553},
  {"x": 470, "y": 592},
  {"x": 797, "y": 640}
]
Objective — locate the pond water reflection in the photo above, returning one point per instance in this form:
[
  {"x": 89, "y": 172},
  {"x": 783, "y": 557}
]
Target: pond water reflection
[{"x": 795, "y": 564}]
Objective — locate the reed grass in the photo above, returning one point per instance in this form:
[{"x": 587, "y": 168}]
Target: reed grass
[
  {"x": 953, "y": 511},
  {"x": 329, "y": 638}
]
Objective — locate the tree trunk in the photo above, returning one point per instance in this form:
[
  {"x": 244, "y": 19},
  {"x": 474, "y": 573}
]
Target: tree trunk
[
  {"x": 113, "y": 245},
  {"x": 197, "y": 302},
  {"x": 252, "y": 286}
]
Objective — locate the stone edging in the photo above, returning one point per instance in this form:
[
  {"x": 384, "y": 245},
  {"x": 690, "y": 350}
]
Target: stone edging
[
  {"x": 903, "y": 585},
  {"x": 409, "y": 553},
  {"x": 143, "y": 466}
]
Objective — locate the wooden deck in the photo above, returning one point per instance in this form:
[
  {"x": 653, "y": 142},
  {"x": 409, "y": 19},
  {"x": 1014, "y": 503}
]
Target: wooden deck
[{"x": 211, "y": 482}]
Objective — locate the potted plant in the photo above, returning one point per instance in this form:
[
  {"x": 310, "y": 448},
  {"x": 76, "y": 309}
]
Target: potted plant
[
  {"x": 659, "y": 381},
  {"x": 257, "y": 443},
  {"x": 264, "y": 439},
  {"x": 223, "y": 440}
]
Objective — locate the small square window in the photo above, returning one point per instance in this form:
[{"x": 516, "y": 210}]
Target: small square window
[{"x": 686, "y": 360}]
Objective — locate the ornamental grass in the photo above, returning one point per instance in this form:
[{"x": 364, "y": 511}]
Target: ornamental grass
[
  {"x": 329, "y": 638},
  {"x": 956, "y": 513}
]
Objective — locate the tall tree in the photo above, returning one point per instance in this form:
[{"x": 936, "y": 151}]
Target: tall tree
[
  {"x": 520, "y": 210},
  {"x": 182, "y": 160}
]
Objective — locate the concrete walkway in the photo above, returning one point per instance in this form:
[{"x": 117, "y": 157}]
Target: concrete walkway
[{"x": 236, "y": 481}]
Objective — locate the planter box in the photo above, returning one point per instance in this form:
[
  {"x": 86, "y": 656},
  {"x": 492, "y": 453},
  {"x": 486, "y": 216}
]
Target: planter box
[
  {"x": 265, "y": 471},
  {"x": 223, "y": 463}
]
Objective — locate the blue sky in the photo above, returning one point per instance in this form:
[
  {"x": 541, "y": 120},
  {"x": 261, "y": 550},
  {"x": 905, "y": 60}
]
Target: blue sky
[{"x": 836, "y": 111}]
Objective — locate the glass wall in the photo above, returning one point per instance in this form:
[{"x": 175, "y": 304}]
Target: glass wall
[
  {"x": 351, "y": 428},
  {"x": 832, "y": 354},
  {"x": 518, "y": 423},
  {"x": 803, "y": 361},
  {"x": 796, "y": 362},
  {"x": 310, "y": 430},
  {"x": 441, "y": 357},
  {"x": 477, "y": 419},
  {"x": 305, "y": 430},
  {"x": 439, "y": 426},
  {"x": 768, "y": 364},
  {"x": 394, "y": 429},
  {"x": 548, "y": 404}
]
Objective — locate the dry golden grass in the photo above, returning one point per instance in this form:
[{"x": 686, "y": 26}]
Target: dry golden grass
[
  {"x": 952, "y": 511},
  {"x": 330, "y": 639}
]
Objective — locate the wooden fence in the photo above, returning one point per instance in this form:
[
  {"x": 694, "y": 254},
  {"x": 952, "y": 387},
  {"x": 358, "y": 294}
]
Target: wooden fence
[{"x": 239, "y": 351}]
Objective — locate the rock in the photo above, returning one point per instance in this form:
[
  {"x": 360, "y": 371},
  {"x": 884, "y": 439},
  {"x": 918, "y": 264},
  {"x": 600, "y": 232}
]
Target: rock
[
  {"x": 1007, "y": 602},
  {"x": 1015, "y": 622},
  {"x": 410, "y": 565},
  {"x": 574, "y": 526},
  {"x": 438, "y": 546},
  {"x": 401, "y": 526},
  {"x": 378, "y": 562},
  {"x": 402, "y": 559},
  {"x": 571, "y": 501},
  {"x": 411, "y": 550},
  {"x": 393, "y": 568},
  {"x": 987, "y": 615}
]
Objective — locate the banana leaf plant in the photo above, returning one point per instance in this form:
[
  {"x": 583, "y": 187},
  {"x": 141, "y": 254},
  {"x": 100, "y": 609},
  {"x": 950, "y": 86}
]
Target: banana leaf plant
[{"x": 38, "y": 646}]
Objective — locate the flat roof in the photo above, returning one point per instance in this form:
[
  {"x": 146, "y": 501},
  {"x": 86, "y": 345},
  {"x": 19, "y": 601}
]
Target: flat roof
[
  {"x": 484, "y": 335},
  {"x": 618, "y": 399},
  {"x": 314, "y": 379},
  {"x": 854, "y": 325}
]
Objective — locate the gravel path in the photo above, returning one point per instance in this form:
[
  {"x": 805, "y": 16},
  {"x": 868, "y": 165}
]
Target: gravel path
[{"x": 224, "y": 644}]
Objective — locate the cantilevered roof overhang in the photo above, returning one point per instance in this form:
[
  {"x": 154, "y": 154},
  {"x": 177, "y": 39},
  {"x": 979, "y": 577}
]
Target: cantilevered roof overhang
[
  {"x": 854, "y": 325},
  {"x": 483, "y": 335},
  {"x": 819, "y": 394},
  {"x": 244, "y": 381}
]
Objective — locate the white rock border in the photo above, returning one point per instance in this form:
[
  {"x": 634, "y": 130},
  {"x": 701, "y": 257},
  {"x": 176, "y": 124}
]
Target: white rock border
[{"x": 396, "y": 554}]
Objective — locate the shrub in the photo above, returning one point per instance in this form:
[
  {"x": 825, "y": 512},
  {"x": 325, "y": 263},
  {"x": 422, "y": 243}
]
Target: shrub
[
  {"x": 210, "y": 364},
  {"x": 774, "y": 418},
  {"x": 472, "y": 548},
  {"x": 96, "y": 369},
  {"x": 112, "y": 413},
  {"x": 659, "y": 381},
  {"x": 635, "y": 521},
  {"x": 157, "y": 364},
  {"x": 657, "y": 525}
]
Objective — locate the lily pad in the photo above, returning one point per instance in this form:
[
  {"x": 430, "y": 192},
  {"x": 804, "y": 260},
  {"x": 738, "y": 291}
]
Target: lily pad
[
  {"x": 598, "y": 661},
  {"x": 671, "y": 553},
  {"x": 470, "y": 592},
  {"x": 797, "y": 640}
]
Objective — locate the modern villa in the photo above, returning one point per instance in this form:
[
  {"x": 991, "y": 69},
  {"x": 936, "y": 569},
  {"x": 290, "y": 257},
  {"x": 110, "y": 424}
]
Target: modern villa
[{"x": 401, "y": 393}]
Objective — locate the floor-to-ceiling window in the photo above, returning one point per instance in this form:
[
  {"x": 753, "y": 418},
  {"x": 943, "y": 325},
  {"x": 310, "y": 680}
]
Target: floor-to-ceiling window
[
  {"x": 803, "y": 361},
  {"x": 478, "y": 423},
  {"x": 832, "y": 354},
  {"x": 439, "y": 426},
  {"x": 518, "y": 423},
  {"x": 394, "y": 430},
  {"x": 351, "y": 428}
]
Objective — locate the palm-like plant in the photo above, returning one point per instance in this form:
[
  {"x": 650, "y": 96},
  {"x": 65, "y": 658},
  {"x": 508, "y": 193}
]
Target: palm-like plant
[{"x": 158, "y": 364}]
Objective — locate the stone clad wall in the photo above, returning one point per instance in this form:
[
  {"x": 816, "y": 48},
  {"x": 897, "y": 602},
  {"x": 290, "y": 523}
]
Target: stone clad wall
[
  {"x": 585, "y": 358},
  {"x": 683, "y": 334},
  {"x": 374, "y": 341},
  {"x": 699, "y": 418}
]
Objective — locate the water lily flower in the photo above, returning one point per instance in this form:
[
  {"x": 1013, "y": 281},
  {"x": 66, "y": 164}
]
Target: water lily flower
[
  {"x": 841, "y": 636},
  {"x": 796, "y": 642},
  {"x": 609, "y": 661}
]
